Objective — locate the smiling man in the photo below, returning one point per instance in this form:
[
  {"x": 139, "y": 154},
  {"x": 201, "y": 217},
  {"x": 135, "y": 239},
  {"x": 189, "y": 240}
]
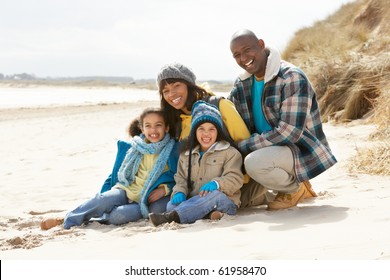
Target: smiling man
[{"x": 287, "y": 146}]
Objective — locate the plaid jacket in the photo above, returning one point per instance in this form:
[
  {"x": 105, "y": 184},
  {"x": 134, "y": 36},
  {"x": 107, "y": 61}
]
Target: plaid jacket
[{"x": 290, "y": 107}]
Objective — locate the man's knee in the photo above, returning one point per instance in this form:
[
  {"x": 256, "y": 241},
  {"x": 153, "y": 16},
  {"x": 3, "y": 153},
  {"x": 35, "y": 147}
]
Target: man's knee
[{"x": 255, "y": 164}]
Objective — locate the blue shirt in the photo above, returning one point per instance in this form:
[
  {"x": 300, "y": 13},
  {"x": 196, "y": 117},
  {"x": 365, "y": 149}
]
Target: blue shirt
[{"x": 261, "y": 123}]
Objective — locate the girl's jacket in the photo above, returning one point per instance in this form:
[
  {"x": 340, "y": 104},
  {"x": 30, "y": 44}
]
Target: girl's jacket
[
  {"x": 221, "y": 163},
  {"x": 166, "y": 178}
]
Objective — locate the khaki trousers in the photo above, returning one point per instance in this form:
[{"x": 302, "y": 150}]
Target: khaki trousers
[{"x": 271, "y": 170}]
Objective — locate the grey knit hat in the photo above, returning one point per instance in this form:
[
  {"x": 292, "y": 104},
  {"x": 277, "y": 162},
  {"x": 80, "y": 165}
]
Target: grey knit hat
[{"x": 176, "y": 71}]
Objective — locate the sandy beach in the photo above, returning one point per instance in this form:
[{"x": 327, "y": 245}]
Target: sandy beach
[{"x": 55, "y": 158}]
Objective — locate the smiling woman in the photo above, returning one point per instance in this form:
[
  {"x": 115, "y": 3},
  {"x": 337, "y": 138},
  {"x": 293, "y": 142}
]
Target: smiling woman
[{"x": 178, "y": 93}]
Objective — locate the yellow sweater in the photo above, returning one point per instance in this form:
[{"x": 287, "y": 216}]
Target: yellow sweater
[{"x": 231, "y": 119}]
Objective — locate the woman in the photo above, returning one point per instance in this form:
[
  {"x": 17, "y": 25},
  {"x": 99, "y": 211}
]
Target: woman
[{"x": 178, "y": 93}]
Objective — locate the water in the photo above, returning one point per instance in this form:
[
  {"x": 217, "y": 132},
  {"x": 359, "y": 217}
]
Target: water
[{"x": 47, "y": 97}]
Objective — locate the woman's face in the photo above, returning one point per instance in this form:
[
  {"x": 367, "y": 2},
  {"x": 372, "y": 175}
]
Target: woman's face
[
  {"x": 176, "y": 94},
  {"x": 154, "y": 127},
  {"x": 206, "y": 134}
]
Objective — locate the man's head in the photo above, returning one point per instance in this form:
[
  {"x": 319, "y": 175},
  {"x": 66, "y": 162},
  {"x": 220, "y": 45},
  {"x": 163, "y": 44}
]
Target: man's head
[{"x": 249, "y": 52}]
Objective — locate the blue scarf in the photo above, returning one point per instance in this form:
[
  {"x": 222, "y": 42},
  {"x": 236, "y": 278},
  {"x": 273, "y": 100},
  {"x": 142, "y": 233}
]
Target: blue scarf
[{"x": 133, "y": 159}]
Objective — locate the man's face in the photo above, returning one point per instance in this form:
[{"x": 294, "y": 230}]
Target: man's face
[{"x": 249, "y": 54}]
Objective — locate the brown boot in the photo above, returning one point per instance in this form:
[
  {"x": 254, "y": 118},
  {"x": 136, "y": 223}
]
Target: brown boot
[
  {"x": 288, "y": 200},
  {"x": 310, "y": 192},
  {"x": 215, "y": 215},
  {"x": 51, "y": 222}
]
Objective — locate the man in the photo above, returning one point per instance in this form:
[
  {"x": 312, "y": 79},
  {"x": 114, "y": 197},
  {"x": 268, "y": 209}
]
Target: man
[{"x": 287, "y": 146}]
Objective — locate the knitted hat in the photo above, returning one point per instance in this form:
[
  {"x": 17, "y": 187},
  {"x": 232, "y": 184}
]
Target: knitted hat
[
  {"x": 205, "y": 112},
  {"x": 201, "y": 112},
  {"x": 176, "y": 71}
]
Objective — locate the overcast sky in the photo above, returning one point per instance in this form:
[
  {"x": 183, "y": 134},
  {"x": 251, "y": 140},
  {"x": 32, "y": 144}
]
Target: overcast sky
[{"x": 64, "y": 38}]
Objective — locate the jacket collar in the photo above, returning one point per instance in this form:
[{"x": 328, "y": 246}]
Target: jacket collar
[
  {"x": 271, "y": 69},
  {"x": 218, "y": 146}
]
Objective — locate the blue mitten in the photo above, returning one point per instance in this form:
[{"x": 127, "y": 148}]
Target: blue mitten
[
  {"x": 178, "y": 198},
  {"x": 209, "y": 187}
]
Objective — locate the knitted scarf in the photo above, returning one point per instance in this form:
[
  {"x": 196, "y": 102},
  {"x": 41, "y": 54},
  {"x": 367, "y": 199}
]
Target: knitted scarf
[{"x": 133, "y": 159}]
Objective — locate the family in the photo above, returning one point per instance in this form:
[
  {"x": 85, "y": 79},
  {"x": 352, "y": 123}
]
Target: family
[{"x": 200, "y": 156}]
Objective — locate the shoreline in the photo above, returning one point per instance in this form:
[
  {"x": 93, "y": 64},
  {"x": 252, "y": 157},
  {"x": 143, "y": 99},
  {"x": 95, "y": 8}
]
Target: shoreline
[{"x": 10, "y": 114}]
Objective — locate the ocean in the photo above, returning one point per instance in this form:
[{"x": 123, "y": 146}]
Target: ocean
[{"x": 52, "y": 96}]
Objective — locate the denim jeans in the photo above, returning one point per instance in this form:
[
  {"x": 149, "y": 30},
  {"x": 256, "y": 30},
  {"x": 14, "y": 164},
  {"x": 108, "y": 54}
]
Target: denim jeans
[
  {"x": 198, "y": 207},
  {"x": 110, "y": 207}
]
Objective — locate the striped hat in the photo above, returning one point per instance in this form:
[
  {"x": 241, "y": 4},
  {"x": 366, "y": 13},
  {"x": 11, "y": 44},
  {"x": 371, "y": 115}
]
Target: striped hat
[{"x": 205, "y": 112}]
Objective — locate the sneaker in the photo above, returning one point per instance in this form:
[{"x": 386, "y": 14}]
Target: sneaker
[
  {"x": 51, "y": 222},
  {"x": 288, "y": 200},
  {"x": 215, "y": 215}
]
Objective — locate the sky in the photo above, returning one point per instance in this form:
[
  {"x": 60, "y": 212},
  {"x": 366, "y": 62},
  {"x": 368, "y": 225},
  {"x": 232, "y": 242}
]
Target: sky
[{"x": 68, "y": 38}]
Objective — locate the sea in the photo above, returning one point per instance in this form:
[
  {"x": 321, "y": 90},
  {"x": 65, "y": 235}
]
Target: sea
[
  {"x": 41, "y": 97},
  {"x": 52, "y": 96}
]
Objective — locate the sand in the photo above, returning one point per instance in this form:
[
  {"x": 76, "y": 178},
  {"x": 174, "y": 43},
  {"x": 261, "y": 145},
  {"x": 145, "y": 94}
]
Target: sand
[{"x": 53, "y": 159}]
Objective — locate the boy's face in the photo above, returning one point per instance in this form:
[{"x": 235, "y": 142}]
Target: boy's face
[
  {"x": 154, "y": 127},
  {"x": 206, "y": 134}
]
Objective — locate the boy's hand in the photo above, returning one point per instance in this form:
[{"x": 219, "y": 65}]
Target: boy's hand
[
  {"x": 208, "y": 187},
  {"x": 178, "y": 198}
]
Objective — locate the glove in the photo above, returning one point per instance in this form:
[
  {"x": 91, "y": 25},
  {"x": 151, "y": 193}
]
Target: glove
[
  {"x": 178, "y": 198},
  {"x": 209, "y": 187}
]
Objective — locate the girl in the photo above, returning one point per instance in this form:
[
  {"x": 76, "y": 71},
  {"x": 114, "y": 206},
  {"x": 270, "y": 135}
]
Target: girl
[
  {"x": 143, "y": 180},
  {"x": 209, "y": 173}
]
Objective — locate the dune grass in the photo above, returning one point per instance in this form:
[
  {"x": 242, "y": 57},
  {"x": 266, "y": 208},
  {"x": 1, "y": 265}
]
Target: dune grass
[{"x": 347, "y": 58}]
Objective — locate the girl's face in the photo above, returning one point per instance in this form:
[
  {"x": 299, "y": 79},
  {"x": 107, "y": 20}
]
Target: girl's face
[
  {"x": 154, "y": 127},
  {"x": 206, "y": 134},
  {"x": 176, "y": 94}
]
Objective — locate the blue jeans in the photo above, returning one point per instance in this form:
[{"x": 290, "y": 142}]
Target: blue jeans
[
  {"x": 111, "y": 207},
  {"x": 198, "y": 207}
]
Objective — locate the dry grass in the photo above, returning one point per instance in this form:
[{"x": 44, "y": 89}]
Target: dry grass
[
  {"x": 372, "y": 161},
  {"x": 347, "y": 58}
]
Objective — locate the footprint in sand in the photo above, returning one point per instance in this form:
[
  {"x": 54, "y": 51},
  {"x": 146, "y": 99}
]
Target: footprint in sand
[
  {"x": 27, "y": 233},
  {"x": 27, "y": 241},
  {"x": 325, "y": 195}
]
